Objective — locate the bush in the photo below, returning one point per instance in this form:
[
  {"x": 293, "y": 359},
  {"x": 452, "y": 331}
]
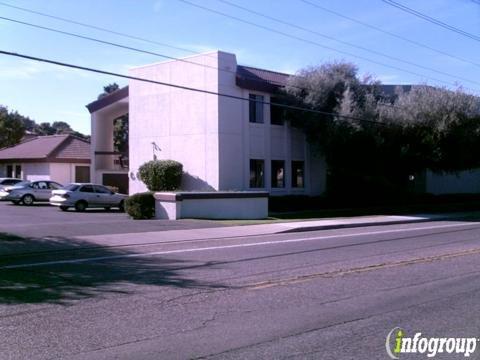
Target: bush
[
  {"x": 141, "y": 206},
  {"x": 161, "y": 175}
]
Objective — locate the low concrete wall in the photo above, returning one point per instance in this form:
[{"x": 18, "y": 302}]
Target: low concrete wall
[{"x": 212, "y": 205}]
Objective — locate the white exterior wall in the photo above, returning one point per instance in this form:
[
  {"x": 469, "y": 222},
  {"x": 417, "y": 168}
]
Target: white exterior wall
[
  {"x": 184, "y": 124},
  {"x": 463, "y": 183}
]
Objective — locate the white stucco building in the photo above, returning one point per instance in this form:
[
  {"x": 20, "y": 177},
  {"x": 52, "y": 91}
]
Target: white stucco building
[{"x": 223, "y": 143}]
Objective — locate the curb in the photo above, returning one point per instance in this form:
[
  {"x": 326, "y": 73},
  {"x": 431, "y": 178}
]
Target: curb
[{"x": 347, "y": 226}]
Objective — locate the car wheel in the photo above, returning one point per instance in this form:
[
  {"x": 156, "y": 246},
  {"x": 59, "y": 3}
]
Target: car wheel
[
  {"x": 81, "y": 206},
  {"x": 64, "y": 208},
  {"x": 28, "y": 200},
  {"x": 121, "y": 206}
]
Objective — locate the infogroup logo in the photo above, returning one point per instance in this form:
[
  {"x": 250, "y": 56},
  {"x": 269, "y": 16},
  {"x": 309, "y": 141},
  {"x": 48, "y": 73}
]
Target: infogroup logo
[{"x": 397, "y": 343}]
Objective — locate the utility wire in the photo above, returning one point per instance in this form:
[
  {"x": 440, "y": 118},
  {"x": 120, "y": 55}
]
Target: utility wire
[
  {"x": 403, "y": 38},
  {"x": 182, "y": 87},
  {"x": 432, "y": 20},
  {"x": 143, "y": 51},
  {"x": 311, "y": 42},
  {"x": 114, "y": 32},
  {"x": 122, "y": 34},
  {"x": 332, "y": 38}
]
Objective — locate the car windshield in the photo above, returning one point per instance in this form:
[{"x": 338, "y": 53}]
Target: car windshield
[{"x": 71, "y": 187}]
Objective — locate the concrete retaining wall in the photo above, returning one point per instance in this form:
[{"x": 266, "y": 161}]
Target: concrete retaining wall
[{"x": 212, "y": 205}]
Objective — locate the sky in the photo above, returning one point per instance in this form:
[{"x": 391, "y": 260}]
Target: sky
[{"x": 47, "y": 93}]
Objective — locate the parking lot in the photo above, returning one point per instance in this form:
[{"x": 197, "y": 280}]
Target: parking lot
[{"x": 43, "y": 220}]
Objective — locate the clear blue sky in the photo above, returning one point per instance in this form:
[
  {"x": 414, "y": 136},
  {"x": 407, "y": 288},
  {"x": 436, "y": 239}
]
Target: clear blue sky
[{"x": 48, "y": 93}]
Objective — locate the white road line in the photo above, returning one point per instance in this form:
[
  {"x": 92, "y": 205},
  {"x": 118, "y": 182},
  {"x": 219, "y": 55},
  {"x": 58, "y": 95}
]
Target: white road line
[{"x": 221, "y": 247}]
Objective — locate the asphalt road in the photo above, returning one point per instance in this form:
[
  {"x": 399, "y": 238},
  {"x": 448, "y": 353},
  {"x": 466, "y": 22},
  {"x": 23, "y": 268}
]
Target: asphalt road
[
  {"x": 43, "y": 220},
  {"x": 315, "y": 295}
]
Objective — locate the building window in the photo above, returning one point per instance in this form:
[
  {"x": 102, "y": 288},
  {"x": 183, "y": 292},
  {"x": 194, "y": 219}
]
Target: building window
[
  {"x": 256, "y": 108},
  {"x": 14, "y": 171},
  {"x": 257, "y": 172},
  {"x": 277, "y": 113},
  {"x": 298, "y": 174},
  {"x": 278, "y": 173}
]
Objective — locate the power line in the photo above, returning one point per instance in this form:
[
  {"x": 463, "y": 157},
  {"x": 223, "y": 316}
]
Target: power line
[
  {"x": 114, "y": 32},
  {"x": 142, "y": 51},
  {"x": 403, "y": 38},
  {"x": 332, "y": 38},
  {"x": 62, "y": 32},
  {"x": 182, "y": 87},
  {"x": 311, "y": 42},
  {"x": 95, "y": 27},
  {"x": 432, "y": 20}
]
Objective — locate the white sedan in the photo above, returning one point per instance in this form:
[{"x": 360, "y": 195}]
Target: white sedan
[{"x": 82, "y": 196}]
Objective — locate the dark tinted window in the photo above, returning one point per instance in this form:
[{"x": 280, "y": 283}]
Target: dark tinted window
[
  {"x": 256, "y": 108},
  {"x": 41, "y": 185},
  {"x": 101, "y": 189},
  {"x": 87, "y": 189},
  {"x": 10, "y": 181},
  {"x": 54, "y": 186},
  {"x": 298, "y": 180},
  {"x": 257, "y": 168},
  {"x": 277, "y": 113},
  {"x": 72, "y": 187},
  {"x": 278, "y": 173}
]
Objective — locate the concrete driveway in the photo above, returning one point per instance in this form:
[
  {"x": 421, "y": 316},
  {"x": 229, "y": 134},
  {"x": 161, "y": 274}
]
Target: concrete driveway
[{"x": 43, "y": 220}]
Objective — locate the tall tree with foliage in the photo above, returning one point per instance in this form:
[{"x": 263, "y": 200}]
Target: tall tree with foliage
[
  {"x": 372, "y": 145},
  {"x": 108, "y": 89},
  {"x": 11, "y": 127}
]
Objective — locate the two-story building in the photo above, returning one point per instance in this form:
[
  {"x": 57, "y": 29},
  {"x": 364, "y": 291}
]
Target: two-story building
[{"x": 223, "y": 143}]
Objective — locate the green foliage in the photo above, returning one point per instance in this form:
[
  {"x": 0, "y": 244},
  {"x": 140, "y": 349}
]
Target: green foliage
[
  {"x": 108, "y": 89},
  {"x": 120, "y": 134},
  {"x": 405, "y": 134},
  {"x": 11, "y": 127},
  {"x": 161, "y": 175},
  {"x": 140, "y": 206}
]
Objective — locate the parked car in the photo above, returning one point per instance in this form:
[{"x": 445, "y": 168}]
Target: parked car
[
  {"x": 27, "y": 193},
  {"x": 8, "y": 182},
  {"x": 82, "y": 196}
]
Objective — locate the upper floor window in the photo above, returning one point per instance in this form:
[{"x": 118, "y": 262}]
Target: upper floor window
[
  {"x": 277, "y": 113},
  {"x": 256, "y": 108},
  {"x": 298, "y": 174}
]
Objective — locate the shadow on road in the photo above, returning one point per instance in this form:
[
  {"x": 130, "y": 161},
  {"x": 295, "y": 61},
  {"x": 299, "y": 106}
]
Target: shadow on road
[{"x": 61, "y": 283}]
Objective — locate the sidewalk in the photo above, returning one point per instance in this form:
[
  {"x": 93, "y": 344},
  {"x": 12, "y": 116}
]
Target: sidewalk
[{"x": 266, "y": 229}]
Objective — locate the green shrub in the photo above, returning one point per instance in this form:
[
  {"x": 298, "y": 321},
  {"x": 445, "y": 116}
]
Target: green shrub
[
  {"x": 161, "y": 175},
  {"x": 141, "y": 206}
]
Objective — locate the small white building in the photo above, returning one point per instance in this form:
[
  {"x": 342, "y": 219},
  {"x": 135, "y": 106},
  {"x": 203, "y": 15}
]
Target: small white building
[
  {"x": 60, "y": 158},
  {"x": 223, "y": 143}
]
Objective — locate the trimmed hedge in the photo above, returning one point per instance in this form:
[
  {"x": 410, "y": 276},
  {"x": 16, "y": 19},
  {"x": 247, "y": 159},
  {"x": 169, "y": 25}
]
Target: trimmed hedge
[
  {"x": 161, "y": 175},
  {"x": 141, "y": 206}
]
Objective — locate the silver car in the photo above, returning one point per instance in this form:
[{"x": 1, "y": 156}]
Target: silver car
[
  {"x": 27, "y": 193},
  {"x": 82, "y": 196},
  {"x": 4, "y": 182}
]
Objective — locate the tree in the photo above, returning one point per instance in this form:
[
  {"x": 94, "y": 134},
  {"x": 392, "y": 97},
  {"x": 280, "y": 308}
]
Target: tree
[
  {"x": 11, "y": 127},
  {"x": 108, "y": 89},
  {"x": 372, "y": 145},
  {"x": 120, "y": 134}
]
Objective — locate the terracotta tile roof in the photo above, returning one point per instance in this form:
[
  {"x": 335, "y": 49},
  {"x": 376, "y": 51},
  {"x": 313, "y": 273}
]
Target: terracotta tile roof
[
  {"x": 48, "y": 149},
  {"x": 108, "y": 99},
  {"x": 260, "y": 79}
]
